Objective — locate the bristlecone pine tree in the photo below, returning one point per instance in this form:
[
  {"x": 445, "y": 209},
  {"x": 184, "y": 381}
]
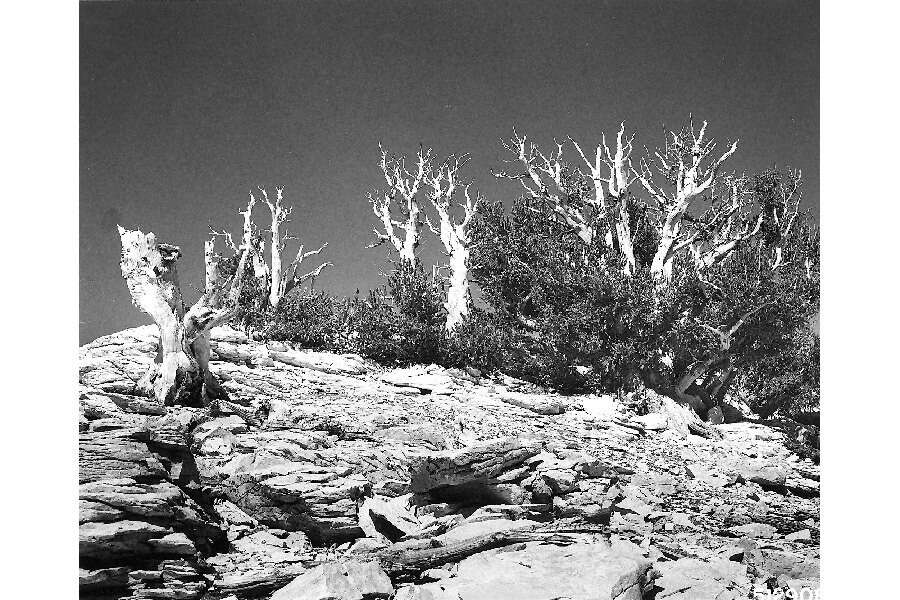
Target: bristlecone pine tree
[
  {"x": 440, "y": 183},
  {"x": 727, "y": 266},
  {"x": 400, "y": 195},
  {"x": 272, "y": 276},
  {"x": 180, "y": 374}
]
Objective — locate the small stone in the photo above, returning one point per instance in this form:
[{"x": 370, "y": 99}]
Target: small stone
[
  {"x": 541, "y": 492},
  {"x": 560, "y": 481},
  {"x": 390, "y": 518},
  {"x": 174, "y": 543}
]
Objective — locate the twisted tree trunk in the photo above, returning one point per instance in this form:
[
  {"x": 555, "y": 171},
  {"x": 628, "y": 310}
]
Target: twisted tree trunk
[
  {"x": 454, "y": 236},
  {"x": 180, "y": 374}
]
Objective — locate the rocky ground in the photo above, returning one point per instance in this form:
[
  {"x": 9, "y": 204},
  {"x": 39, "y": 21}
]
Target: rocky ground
[{"x": 332, "y": 478}]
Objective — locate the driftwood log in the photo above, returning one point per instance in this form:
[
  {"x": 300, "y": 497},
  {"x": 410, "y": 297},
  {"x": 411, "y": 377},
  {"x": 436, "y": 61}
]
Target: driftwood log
[{"x": 404, "y": 563}]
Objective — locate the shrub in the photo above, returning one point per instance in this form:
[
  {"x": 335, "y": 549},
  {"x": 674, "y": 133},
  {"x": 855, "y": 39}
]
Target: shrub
[
  {"x": 312, "y": 319},
  {"x": 402, "y": 323}
]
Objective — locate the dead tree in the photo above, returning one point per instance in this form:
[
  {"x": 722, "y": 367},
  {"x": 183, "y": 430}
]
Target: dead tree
[
  {"x": 617, "y": 212},
  {"x": 180, "y": 373},
  {"x": 724, "y": 227},
  {"x": 685, "y": 167},
  {"x": 276, "y": 280},
  {"x": 454, "y": 235},
  {"x": 543, "y": 177},
  {"x": 250, "y": 239},
  {"x": 400, "y": 196},
  {"x": 280, "y": 281}
]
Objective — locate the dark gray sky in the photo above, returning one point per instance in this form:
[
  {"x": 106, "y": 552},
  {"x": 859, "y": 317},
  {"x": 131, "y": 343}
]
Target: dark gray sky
[{"x": 185, "y": 107}]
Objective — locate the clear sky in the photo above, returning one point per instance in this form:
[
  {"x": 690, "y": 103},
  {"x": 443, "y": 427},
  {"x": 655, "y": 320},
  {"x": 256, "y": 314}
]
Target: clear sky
[{"x": 186, "y": 107}]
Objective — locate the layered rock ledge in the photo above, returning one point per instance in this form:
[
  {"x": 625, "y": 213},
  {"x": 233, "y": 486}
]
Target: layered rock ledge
[{"x": 327, "y": 476}]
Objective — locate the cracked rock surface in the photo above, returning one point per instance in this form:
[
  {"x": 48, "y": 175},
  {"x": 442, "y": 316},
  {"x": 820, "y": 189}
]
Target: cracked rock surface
[{"x": 355, "y": 481}]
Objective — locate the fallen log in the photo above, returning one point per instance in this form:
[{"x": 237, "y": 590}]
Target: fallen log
[{"x": 406, "y": 563}]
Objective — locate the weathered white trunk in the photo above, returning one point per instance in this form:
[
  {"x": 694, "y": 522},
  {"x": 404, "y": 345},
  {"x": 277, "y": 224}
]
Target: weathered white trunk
[
  {"x": 683, "y": 384},
  {"x": 684, "y": 158},
  {"x": 411, "y": 228},
  {"x": 716, "y": 255},
  {"x": 275, "y": 287},
  {"x": 403, "y": 188},
  {"x": 600, "y": 196},
  {"x": 623, "y": 232},
  {"x": 152, "y": 278},
  {"x": 180, "y": 373},
  {"x": 457, "y": 304},
  {"x": 279, "y": 215},
  {"x": 615, "y": 214},
  {"x": 455, "y": 238},
  {"x": 661, "y": 266}
]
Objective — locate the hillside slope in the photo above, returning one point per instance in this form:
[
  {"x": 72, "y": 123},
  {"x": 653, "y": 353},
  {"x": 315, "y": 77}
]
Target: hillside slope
[{"x": 330, "y": 477}]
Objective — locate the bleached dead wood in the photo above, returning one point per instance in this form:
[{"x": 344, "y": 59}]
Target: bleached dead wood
[
  {"x": 620, "y": 177},
  {"x": 542, "y": 178},
  {"x": 684, "y": 164},
  {"x": 283, "y": 281},
  {"x": 181, "y": 372},
  {"x": 400, "y": 195},
  {"x": 401, "y": 563},
  {"x": 454, "y": 235}
]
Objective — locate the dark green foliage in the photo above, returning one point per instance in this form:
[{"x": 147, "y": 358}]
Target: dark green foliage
[
  {"x": 785, "y": 384},
  {"x": 420, "y": 304},
  {"x": 399, "y": 324},
  {"x": 578, "y": 322},
  {"x": 559, "y": 312},
  {"x": 415, "y": 323},
  {"x": 572, "y": 316},
  {"x": 481, "y": 341},
  {"x": 312, "y": 319}
]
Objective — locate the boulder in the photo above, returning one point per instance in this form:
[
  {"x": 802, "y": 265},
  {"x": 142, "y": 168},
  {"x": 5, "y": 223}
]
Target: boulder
[
  {"x": 754, "y": 530},
  {"x": 109, "y": 541},
  {"x": 116, "y": 454},
  {"x": 478, "y": 463},
  {"x": 100, "y": 579},
  {"x": 600, "y": 407},
  {"x": 388, "y": 518},
  {"x": 593, "y": 570},
  {"x": 766, "y": 476},
  {"x": 339, "y": 580},
  {"x": 692, "y": 579},
  {"x": 295, "y": 496},
  {"x": 799, "y": 536}
]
